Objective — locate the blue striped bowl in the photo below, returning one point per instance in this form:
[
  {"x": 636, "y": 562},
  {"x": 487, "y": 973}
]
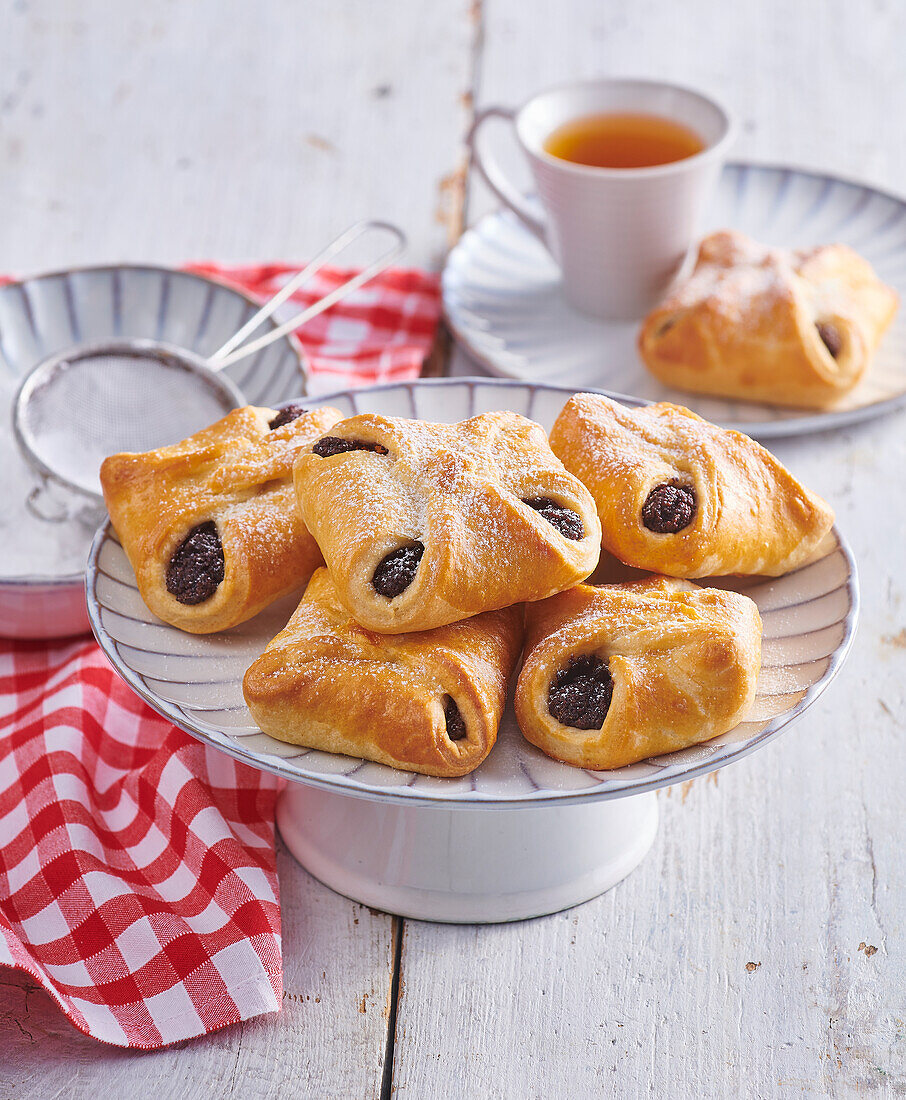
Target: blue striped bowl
[{"x": 50, "y": 313}]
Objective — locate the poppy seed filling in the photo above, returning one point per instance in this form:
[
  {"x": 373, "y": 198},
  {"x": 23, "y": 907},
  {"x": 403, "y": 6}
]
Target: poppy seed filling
[
  {"x": 331, "y": 445},
  {"x": 580, "y": 694},
  {"x": 669, "y": 508},
  {"x": 286, "y": 415},
  {"x": 196, "y": 568},
  {"x": 830, "y": 337},
  {"x": 456, "y": 725},
  {"x": 565, "y": 520},
  {"x": 397, "y": 570}
]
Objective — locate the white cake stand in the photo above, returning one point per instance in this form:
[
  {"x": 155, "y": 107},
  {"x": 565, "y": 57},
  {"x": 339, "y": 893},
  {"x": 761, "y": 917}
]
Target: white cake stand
[{"x": 522, "y": 835}]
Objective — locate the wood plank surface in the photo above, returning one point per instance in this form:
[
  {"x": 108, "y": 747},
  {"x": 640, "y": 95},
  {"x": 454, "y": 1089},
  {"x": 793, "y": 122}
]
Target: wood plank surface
[
  {"x": 759, "y": 949},
  {"x": 328, "y": 1041},
  {"x": 220, "y": 129},
  {"x": 812, "y": 84},
  {"x": 739, "y": 959}
]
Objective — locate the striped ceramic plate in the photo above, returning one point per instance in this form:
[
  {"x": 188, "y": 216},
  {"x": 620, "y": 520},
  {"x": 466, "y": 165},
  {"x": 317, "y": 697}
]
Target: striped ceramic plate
[
  {"x": 809, "y": 619},
  {"x": 502, "y": 298}
]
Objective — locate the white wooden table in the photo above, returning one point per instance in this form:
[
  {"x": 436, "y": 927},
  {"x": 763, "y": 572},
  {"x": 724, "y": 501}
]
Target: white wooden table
[{"x": 739, "y": 959}]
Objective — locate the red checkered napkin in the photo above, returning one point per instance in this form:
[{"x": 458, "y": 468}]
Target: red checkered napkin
[
  {"x": 381, "y": 333},
  {"x": 137, "y": 874},
  {"x": 137, "y": 878}
]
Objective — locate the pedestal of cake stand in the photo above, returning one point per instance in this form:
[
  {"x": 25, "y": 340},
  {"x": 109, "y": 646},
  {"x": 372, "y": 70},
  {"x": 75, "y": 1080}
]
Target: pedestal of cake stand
[{"x": 466, "y": 863}]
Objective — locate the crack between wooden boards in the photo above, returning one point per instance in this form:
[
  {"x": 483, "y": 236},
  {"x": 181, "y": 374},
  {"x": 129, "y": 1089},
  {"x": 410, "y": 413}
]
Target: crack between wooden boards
[{"x": 390, "y": 1047}]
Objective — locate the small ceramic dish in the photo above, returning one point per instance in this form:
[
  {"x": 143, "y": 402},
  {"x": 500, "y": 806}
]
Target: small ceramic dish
[{"x": 42, "y": 561}]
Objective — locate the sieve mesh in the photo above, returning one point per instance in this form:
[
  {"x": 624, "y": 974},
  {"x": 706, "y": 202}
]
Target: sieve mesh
[{"x": 76, "y": 410}]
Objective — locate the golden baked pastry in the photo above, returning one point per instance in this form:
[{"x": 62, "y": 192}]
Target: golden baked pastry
[
  {"x": 210, "y": 525},
  {"x": 429, "y": 701},
  {"x": 616, "y": 674},
  {"x": 769, "y": 324},
  {"x": 680, "y": 496},
  {"x": 425, "y": 524}
]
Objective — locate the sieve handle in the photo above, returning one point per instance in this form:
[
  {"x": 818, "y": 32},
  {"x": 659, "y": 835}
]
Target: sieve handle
[
  {"x": 45, "y": 506},
  {"x": 232, "y": 352},
  {"x": 36, "y": 503}
]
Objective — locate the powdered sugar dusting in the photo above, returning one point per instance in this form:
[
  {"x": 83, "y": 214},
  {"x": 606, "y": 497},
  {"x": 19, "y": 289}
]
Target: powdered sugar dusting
[
  {"x": 458, "y": 489},
  {"x": 738, "y": 279}
]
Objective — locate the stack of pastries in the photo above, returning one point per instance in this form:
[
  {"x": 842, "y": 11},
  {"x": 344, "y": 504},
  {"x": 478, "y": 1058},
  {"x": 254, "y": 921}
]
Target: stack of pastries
[{"x": 435, "y": 555}]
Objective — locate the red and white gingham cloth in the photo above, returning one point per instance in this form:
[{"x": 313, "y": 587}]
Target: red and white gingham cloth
[
  {"x": 137, "y": 874},
  {"x": 382, "y": 333}
]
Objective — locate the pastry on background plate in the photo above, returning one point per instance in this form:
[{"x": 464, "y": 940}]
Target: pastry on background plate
[
  {"x": 680, "y": 496},
  {"x": 210, "y": 524},
  {"x": 617, "y": 674},
  {"x": 768, "y": 324},
  {"x": 424, "y": 524},
  {"x": 429, "y": 701}
]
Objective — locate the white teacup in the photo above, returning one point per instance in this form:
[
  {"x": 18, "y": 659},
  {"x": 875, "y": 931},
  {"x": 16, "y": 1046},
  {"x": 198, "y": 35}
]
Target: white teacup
[{"x": 620, "y": 235}]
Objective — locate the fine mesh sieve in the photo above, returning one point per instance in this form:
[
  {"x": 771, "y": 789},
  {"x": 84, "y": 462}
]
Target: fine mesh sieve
[{"x": 81, "y": 405}]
